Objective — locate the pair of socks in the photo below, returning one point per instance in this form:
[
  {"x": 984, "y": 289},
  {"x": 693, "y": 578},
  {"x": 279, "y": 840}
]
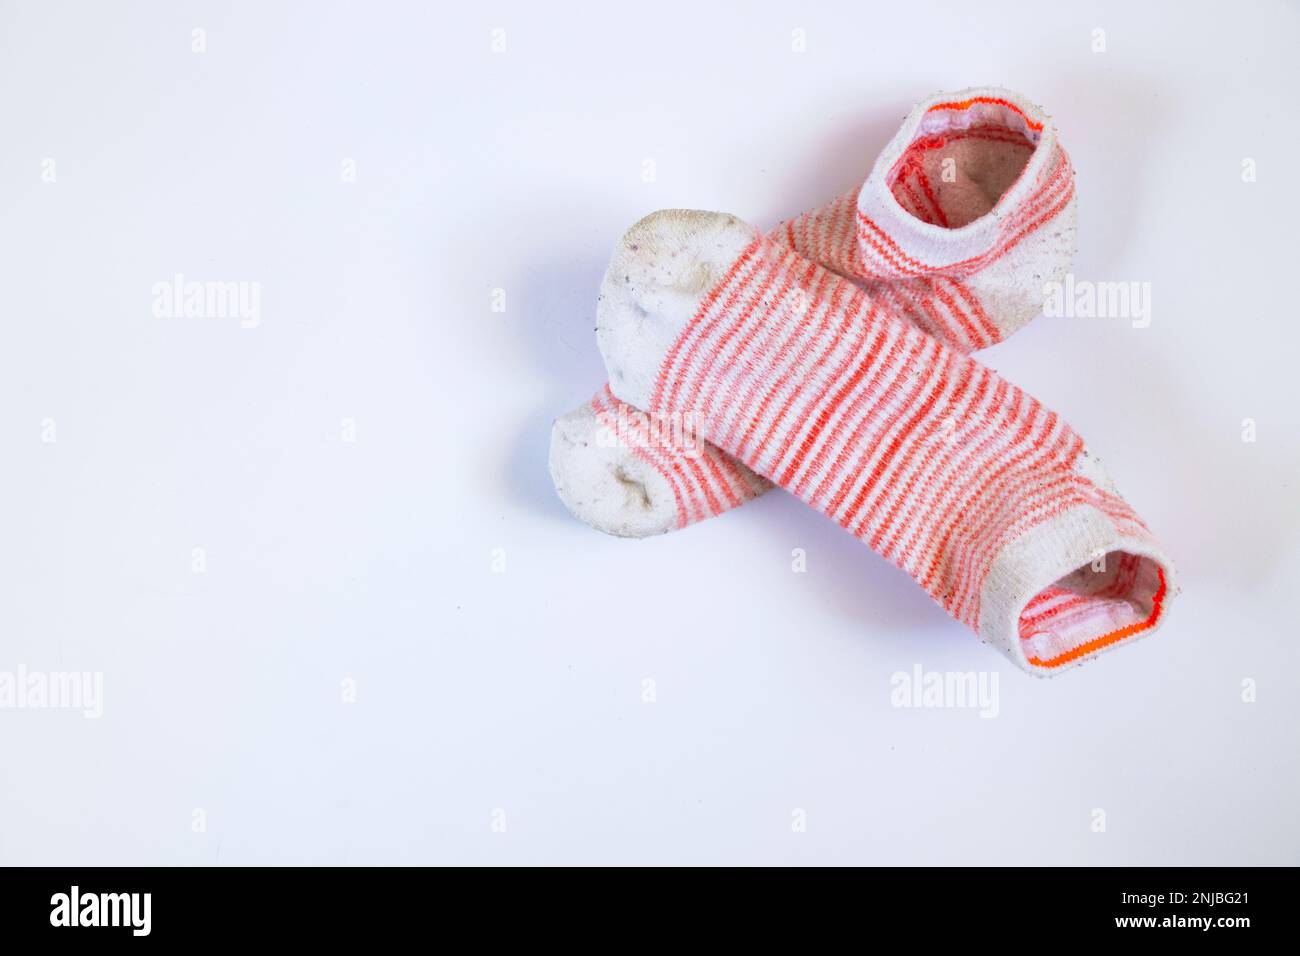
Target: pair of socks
[{"x": 830, "y": 357}]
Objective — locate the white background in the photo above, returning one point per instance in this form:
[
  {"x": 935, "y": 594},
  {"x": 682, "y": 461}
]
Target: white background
[{"x": 370, "y": 561}]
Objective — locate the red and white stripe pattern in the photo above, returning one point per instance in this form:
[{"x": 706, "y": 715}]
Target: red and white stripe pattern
[
  {"x": 942, "y": 300},
  {"x": 943, "y": 306},
  {"x": 927, "y": 456}
]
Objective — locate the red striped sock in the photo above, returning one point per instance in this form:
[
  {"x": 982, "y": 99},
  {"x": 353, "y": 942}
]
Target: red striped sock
[
  {"x": 985, "y": 497},
  {"x": 1010, "y": 195}
]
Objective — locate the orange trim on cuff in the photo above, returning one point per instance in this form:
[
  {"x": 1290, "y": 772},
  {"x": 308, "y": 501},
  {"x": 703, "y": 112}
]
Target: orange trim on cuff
[
  {"x": 1117, "y": 635},
  {"x": 996, "y": 101}
]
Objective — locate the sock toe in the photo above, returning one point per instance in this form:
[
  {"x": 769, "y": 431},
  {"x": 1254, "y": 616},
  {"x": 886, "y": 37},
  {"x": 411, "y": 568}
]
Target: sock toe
[{"x": 604, "y": 483}]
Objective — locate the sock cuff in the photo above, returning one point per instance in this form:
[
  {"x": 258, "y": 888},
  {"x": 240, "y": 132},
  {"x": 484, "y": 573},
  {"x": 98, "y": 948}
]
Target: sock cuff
[
  {"x": 1071, "y": 588},
  {"x": 897, "y": 243}
]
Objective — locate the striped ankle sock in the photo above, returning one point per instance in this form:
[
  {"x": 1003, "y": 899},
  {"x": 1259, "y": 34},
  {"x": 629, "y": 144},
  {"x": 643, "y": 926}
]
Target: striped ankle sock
[
  {"x": 988, "y": 499},
  {"x": 986, "y": 162}
]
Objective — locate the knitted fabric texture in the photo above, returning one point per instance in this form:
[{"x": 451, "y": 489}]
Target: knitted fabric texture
[
  {"x": 942, "y": 233},
  {"x": 985, "y": 497}
]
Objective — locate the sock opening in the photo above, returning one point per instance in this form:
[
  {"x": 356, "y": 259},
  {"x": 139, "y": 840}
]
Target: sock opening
[
  {"x": 962, "y": 161},
  {"x": 1106, "y": 601}
]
